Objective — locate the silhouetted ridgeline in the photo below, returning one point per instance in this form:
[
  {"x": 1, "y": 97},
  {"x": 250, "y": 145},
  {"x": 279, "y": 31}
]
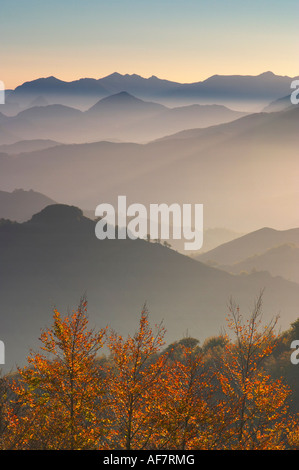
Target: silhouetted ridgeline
[{"x": 55, "y": 257}]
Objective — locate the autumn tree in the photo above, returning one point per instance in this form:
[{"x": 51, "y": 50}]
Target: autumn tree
[
  {"x": 61, "y": 389},
  {"x": 184, "y": 412},
  {"x": 7, "y": 413},
  {"x": 134, "y": 381},
  {"x": 254, "y": 405},
  {"x": 3, "y": 410}
]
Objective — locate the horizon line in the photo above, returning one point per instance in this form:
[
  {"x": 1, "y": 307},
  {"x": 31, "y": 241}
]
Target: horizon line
[{"x": 147, "y": 78}]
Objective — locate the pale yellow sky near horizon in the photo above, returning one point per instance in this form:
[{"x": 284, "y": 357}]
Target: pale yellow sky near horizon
[
  {"x": 183, "y": 41},
  {"x": 14, "y": 79}
]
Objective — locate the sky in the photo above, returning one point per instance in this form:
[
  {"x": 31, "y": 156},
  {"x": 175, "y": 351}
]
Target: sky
[{"x": 179, "y": 40}]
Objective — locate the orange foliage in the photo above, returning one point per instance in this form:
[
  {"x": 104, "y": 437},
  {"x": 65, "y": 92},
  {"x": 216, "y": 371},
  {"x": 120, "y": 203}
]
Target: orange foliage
[
  {"x": 134, "y": 384},
  {"x": 256, "y": 404},
  {"x": 61, "y": 390},
  {"x": 143, "y": 398}
]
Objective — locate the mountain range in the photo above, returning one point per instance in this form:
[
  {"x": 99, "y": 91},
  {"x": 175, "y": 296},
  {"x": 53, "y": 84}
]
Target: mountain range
[
  {"x": 249, "y": 245},
  {"x": 279, "y": 104},
  {"x": 117, "y": 117},
  {"x": 54, "y": 258},
  {"x": 274, "y": 251},
  {"x": 27, "y": 146},
  {"x": 20, "y": 205},
  {"x": 255, "y": 156},
  {"x": 282, "y": 260},
  {"x": 229, "y": 143},
  {"x": 249, "y": 92}
]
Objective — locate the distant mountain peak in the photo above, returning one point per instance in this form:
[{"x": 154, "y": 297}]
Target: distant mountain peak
[
  {"x": 58, "y": 214},
  {"x": 38, "y": 101},
  {"x": 121, "y": 94},
  {"x": 50, "y": 79},
  {"x": 40, "y": 82},
  {"x": 133, "y": 75},
  {"x": 267, "y": 74},
  {"x": 114, "y": 75},
  {"x": 122, "y": 98}
]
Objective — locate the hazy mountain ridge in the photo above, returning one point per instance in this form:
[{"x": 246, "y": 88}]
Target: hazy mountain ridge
[
  {"x": 281, "y": 260},
  {"x": 275, "y": 251},
  {"x": 121, "y": 116},
  {"x": 261, "y": 150},
  {"x": 251, "y": 244},
  {"x": 279, "y": 105},
  {"x": 266, "y": 87},
  {"x": 55, "y": 258},
  {"x": 27, "y": 146},
  {"x": 20, "y": 205},
  {"x": 216, "y": 236}
]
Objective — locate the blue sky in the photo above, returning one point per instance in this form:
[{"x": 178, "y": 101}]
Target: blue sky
[{"x": 184, "y": 41}]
